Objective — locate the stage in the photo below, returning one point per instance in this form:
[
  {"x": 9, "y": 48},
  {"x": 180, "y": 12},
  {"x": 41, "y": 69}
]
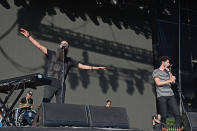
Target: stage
[{"x": 63, "y": 128}]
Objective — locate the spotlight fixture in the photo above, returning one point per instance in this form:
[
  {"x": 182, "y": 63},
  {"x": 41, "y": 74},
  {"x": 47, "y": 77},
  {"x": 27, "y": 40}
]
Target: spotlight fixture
[
  {"x": 167, "y": 12},
  {"x": 114, "y": 2},
  {"x": 141, "y": 7},
  {"x": 99, "y": 3}
]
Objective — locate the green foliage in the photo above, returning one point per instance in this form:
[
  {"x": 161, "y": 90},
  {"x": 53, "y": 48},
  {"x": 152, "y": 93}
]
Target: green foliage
[{"x": 170, "y": 122}]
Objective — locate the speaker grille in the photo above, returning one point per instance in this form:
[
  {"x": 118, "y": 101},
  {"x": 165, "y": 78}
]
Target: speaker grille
[
  {"x": 101, "y": 116},
  {"x": 64, "y": 115}
]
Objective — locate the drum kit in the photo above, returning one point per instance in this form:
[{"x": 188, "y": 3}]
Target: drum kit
[{"x": 18, "y": 115}]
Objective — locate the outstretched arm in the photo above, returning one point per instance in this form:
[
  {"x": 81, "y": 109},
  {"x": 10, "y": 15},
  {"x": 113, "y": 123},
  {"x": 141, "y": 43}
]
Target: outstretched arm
[
  {"x": 36, "y": 43},
  {"x": 86, "y": 67}
]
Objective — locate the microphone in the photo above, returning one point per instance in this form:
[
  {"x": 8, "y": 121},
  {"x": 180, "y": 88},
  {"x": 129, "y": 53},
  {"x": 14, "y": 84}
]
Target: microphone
[
  {"x": 62, "y": 46},
  {"x": 170, "y": 66}
]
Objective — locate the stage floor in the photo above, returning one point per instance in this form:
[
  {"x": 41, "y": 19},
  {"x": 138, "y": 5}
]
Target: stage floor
[{"x": 63, "y": 129}]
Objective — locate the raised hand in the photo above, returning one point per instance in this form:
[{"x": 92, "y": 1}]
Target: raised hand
[{"x": 24, "y": 32}]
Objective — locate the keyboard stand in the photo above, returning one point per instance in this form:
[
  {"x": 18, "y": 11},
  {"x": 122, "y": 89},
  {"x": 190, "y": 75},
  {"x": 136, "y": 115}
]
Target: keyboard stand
[{"x": 6, "y": 111}]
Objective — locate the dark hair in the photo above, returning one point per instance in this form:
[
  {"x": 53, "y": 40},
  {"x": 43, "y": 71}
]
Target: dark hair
[
  {"x": 108, "y": 101},
  {"x": 163, "y": 59},
  {"x": 59, "y": 53}
]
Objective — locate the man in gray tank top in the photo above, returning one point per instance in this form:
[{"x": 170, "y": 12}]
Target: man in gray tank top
[{"x": 163, "y": 79}]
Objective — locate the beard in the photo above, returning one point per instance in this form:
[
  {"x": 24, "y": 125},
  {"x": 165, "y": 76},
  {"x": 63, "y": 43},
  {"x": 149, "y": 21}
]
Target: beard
[{"x": 60, "y": 52}]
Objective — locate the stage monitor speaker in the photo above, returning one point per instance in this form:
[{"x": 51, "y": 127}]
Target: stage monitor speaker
[
  {"x": 190, "y": 121},
  {"x": 114, "y": 117},
  {"x": 52, "y": 114}
]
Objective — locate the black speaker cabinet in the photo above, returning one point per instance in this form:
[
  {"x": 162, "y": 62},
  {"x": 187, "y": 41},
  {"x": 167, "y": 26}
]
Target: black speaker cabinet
[
  {"x": 51, "y": 114},
  {"x": 114, "y": 117}
]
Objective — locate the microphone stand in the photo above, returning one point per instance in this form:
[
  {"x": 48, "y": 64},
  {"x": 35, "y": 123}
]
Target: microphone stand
[
  {"x": 181, "y": 96},
  {"x": 181, "y": 104},
  {"x": 181, "y": 107},
  {"x": 63, "y": 72}
]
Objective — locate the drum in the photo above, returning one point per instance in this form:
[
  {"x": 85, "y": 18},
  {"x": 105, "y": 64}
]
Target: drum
[
  {"x": 16, "y": 113},
  {"x": 26, "y": 117},
  {"x": 30, "y": 113},
  {"x": 20, "y": 116},
  {"x": 1, "y": 118}
]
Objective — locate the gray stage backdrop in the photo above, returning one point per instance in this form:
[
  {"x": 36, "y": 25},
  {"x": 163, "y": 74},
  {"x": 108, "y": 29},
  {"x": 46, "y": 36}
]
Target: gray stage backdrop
[{"x": 127, "y": 82}]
